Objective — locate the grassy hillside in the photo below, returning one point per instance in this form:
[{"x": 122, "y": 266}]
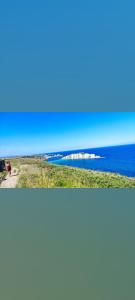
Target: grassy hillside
[{"x": 34, "y": 173}]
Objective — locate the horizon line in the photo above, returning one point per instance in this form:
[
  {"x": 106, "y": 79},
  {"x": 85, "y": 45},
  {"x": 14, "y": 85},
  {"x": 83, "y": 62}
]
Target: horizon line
[{"x": 34, "y": 154}]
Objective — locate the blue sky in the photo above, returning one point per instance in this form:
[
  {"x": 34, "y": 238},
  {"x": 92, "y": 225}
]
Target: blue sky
[
  {"x": 66, "y": 50},
  {"x": 29, "y": 133}
]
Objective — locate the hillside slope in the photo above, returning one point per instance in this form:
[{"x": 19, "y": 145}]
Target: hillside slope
[{"x": 35, "y": 173}]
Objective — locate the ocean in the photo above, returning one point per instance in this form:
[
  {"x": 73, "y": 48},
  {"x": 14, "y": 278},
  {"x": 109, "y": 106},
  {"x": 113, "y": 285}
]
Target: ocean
[{"x": 116, "y": 159}]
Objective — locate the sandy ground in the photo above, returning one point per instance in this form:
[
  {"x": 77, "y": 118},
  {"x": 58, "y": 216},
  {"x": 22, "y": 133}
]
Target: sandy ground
[{"x": 10, "y": 181}]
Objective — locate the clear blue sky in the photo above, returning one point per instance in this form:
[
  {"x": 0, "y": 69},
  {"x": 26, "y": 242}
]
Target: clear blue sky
[
  {"x": 67, "y": 49},
  {"x": 29, "y": 133}
]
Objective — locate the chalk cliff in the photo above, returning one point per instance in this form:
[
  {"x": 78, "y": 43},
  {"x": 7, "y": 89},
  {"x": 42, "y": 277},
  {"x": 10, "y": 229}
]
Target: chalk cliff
[{"x": 81, "y": 155}]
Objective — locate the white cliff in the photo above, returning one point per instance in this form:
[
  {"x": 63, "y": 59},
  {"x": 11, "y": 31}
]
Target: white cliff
[{"x": 81, "y": 155}]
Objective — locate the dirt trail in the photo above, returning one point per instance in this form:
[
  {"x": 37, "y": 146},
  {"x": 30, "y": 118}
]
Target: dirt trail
[{"x": 10, "y": 181}]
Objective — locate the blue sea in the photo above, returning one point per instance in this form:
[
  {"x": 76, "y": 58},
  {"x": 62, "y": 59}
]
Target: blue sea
[{"x": 117, "y": 159}]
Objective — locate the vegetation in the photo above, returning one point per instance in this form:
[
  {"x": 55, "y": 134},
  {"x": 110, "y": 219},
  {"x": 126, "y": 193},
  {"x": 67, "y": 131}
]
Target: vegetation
[
  {"x": 35, "y": 173},
  {"x": 2, "y": 176}
]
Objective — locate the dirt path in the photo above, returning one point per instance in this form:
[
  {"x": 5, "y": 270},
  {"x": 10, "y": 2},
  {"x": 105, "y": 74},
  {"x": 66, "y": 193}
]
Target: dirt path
[{"x": 10, "y": 181}]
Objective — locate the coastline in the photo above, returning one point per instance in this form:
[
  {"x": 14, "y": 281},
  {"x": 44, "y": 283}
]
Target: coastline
[
  {"x": 92, "y": 171},
  {"x": 37, "y": 173},
  {"x": 118, "y": 160}
]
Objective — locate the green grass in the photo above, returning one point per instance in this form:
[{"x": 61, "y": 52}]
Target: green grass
[{"x": 34, "y": 173}]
